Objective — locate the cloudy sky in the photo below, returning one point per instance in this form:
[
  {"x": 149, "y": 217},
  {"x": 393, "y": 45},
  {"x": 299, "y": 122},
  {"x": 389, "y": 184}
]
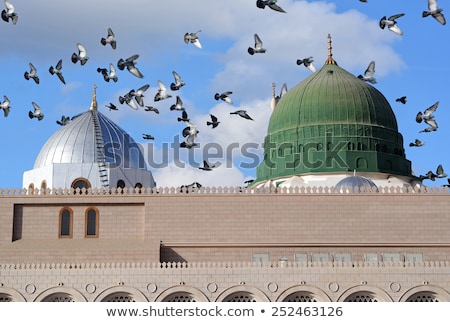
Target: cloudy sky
[{"x": 414, "y": 65}]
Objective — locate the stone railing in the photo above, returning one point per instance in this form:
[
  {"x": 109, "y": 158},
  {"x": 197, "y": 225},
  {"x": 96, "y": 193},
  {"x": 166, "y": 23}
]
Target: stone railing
[{"x": 220, "y": 190}]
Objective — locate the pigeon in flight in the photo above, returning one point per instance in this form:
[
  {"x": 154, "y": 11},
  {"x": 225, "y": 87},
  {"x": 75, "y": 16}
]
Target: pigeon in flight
[
  {"x": 428, "y": 117},
  {"x": 401, "y": 99},
  {"x": 151, "y": 109},
  {"x": 112, "y": 107},
  {"x": 417, "y": 143},
  {"x": 308, "y": 63},
  {"x": 110, "y": 39},
  {"x": 214, "y": 122},
  {"x": 242, "y": 113},
  {"x": 57, "y": 70},
  {"x": 9, "y": 13},
  {"x": 258, "y": 48},
  {"x": 147, "y": 137},
  {"x": 32, "y": 74},
  {"x": 5, "y": 106},
  {"x": 368, "y": 74},
  {"x": 206, "y": 166},
  {"x": 37, "y": 113},
  {"x": 109, "y": 74},
  {"x": 190, "y": 133},
  {"x": 178, "y": 106},
  {"x": 225, "y": 96},
  {"x": 130, "y": 63},
  {"x": 128, "y": 98},
  {"x": 184, "y": 117},
  {"x": 174, "y": 86},
  {"x": 191, "y": 37},
  {"x": 435, "y": 12},
  {"x": 81, "y": 56},
  {"x": 440, "y": 173},
  {"x": 272, "y": 4},
  {"x": 429, "y": 175},
  {"x": 391, "y": 23},
  {"x": 162, "y": 92},
  {"x": 64, "y": 120},
  {"x": 139, "y": 94}
]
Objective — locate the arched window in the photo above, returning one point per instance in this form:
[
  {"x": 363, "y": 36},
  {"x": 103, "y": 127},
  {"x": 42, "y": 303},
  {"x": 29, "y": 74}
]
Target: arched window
[
  {"x": 91, "y": 222},
  {"x": 80, "y": 183},
  {"x": 65, "y": 222}
]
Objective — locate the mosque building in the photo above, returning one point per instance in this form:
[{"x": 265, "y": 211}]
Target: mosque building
[{"x": 335, "y": 214}]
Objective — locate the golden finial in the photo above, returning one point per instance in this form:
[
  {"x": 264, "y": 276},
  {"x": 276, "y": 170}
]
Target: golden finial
[
  {"x": 330, "y": 60},
  {"x": 94, "y": 98}
]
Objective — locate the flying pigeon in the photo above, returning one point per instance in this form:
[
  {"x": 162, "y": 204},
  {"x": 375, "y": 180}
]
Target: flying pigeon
[
  {"x": 109, "y": 74},
  {"x": 111, "y": 106},
  {"x": 109, "y": 39},
  {"x": 151, "y": 109},
  {"x": 5, "y": 106},
  {"x": 428, "y": 117},
  {"x": 272, "y": 4},
  {"x": 9, "y": 13},
  {"x": 401, "y": 99},
  {"x": 368, "y": 74},
  {"x": 174, "y": 86},
  {"x": 37, "y": 113},
  {"x": 190, "y": 133},
  {"x": 440, "y": 173},
  {"x": 258, "y": 48},
  {"x": 417, "y": 143},
  {"x": 178, "y": 105},
  {"x": 162, "y": 93},
  {"x": 64, "y": 120},
  {"x": 32, "y": 74},
  {"x": 130, "y": 63},
  {"x": 243, "y": 114},
  {"x": 139, "y": 94},
  {"x": 192, "y": 38},
  {"x": 435, "y": 12},
  {"x": 57, "y": 70},
  {"x": 391, "y": 23},
  {"x": 147, "y": 137},
  {"x": 429, "y": 175},
  {"x": 206, "y": 166},
  {"x": 81, "y": 56},
  {"x": 184, "y": 117},
  {"x": 225, "y": 96},
  {"x": 128, "y": 98},
  {"x": 214, "y": 122},
  {"x": 308, "y": 62}
]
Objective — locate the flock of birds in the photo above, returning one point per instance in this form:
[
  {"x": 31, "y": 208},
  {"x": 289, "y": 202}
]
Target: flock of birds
[{"x": 135, "y": 98}]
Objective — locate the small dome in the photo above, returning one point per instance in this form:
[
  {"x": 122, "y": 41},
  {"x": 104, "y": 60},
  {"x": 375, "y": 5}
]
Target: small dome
[{"x": 356, "y": 183}]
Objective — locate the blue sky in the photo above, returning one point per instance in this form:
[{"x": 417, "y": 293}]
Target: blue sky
[{"x": 414, "y": 65}]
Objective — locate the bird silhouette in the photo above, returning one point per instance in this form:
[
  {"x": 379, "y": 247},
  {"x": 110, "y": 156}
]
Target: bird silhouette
[
  {"x": 440, "y": 173},
  {"x": 147, "y": 137},
  {"x": 272, "y": 4},
  {"x": 258, "y": 48},
  {"x": 184, "y": 117},
  {"x": 5, "y": 106},
  {"x": 190, "y": 187},
  {"x": 391, "y": 23},
  {"x": 128, "y": 99},
  {"x": 178, "y": 106},
  {"x": 308, "y": 63},
  {"x": 214, "y": 121},
  {"x": 243, "y": 114},
  {"x": 162, "y": 92},
  {"x": 189, "y": 133},
  {"x": 428, "y": 117},
  {"x": 191, "y": 37},
  {"x": 417, "y": 143},
  {"x": 130, "y": 64},
  {"x": 225, "y": 96},
  {"x": 401, "y": 100},
  {"x": 57, "y": 70},
  {"x": 151, "y": 109},
  {"x": 178, "y": 83},
  {"x": 109, "y": 74},
  {"x": 81, "y": 56},
  {"x": 206, "y": 166},
  {"x": 37, "y": 113},
  {"x": 435, "y": 12},
  {"x": 112, "y": 107},
  {"x": 368, "y": 73},
  {"x": 9, "y": 13},
  {"x": 32, "y": 74},
  {"x": 110, "y": 39},
  {"x": 139, "y": 94},
  {"x": 64, "y": 120}
]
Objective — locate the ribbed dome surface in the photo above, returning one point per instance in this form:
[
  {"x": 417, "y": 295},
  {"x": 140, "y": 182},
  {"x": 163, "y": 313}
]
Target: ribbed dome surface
[
  {"x": 76, "y": 142},
  {"x": 356, "y": 182}
]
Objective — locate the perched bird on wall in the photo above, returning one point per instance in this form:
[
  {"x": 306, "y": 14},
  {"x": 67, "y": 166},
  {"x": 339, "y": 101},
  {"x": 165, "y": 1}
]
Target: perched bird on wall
[
  {"x": 368, "y": 73},
  {"x": 57, "y": 70},
  {"x": 258, "y": 48},
  {"x": 206, "y": 166},
  {"x": 112, "y": 107},
  {"x": 184, "y": 117},
  {"x": 147, "y": 137},
  {"x": 151, "y": 109},
  {"x": 109, "y": 74},
  {"x": 225, "y": 96},
  {"x": 191, "y": 37},
  {"x": 9, "y": 13},
  {"x": 130, "y": 64},
  {"x": 435, "y": 12},
  {"x": 64, "y": 120},
  {"x": 272, "y": 4},
  {"x": 139, "y": 94},
  {"x": 162, "y": 92},
  {"x": 214, "y": 122},
  {"x": 417, "y": 143},
  {"x": 178, "y": 83},
  {"x": 178, "y": 106},
  {"x": 110, "y": 39},
  {"x": 243, "y": 114},
  {"x": 32, "y": 74},
  {"x": 391, "y": 23},
  {"x": 81, "y": 56},
  {"x": 190, "y": 187},
  {"x": 37, "y": 113},
  {"x": 5, "y": 106},
  {"x": 401, "y": 100},
  {"x": 308, "y": 63},
  {"x": 428, "y": 117}
]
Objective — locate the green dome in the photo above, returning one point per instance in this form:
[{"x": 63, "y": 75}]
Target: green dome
[{"x": 332, "y": 122}]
